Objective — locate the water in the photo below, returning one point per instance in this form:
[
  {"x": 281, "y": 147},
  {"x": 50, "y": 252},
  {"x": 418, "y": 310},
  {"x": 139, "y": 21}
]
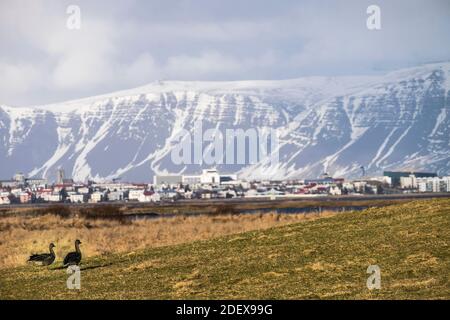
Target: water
[
  {"x": 306, "y": 210},
  {"x": 303, "y": 210}
]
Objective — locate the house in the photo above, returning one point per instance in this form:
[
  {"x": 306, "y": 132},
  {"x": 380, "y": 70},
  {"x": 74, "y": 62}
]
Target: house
[
  {"x": 83, "y": 190},
  {"x": 167, "y": 179},
  {"x": 252, "y": 193},
  {"x": 145, "y": 197},
  {"x": 191, "y": 180},
  {"x": 116, "y": 196},
  {"x": 96, "y": 197},
  {"x": 188, "y": 194},
  {"x": 4, "y": 200},
  {"x": 226, "y": 194},
  {"x": 77, "y": 198},
  {"x": 156, "y": 197},
  {"x": 335, "y": 191},
  {"x": 65, "y": 186},
  {"x": 149, "y": 196},
  {"x": 135, "y": 194},
  {"x": 25, "y": 197},
  {"x": 210, "y": 176},
  {"x": 208, "y": 194},
  {"x": 274, "y": 192},
  {"x": 168, "y": 194},
  {"x": 8, "y": 183},
  {"x": 51, "y": 197},
  {"x": 35, "y": 182}
]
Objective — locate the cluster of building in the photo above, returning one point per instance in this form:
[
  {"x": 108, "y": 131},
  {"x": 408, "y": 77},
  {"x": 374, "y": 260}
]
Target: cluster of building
[
  {"x": 210, "y": 184},
  {"x": 410, "y": 181},
  {"x": 425, "y": 184}
]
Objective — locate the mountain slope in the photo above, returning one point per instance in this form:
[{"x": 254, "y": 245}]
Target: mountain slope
[{"x": 396, "y": 121}]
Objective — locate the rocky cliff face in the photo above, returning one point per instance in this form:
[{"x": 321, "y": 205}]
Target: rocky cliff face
[{"x": 396, "y": 121}]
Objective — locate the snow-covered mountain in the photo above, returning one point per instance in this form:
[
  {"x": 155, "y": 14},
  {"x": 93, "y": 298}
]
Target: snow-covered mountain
[{"x": 400, "y": 120}]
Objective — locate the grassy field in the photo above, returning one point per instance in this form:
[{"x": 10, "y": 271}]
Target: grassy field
[
  {"x": 318, "y": 259},
  {"x": 22, "y": 235}
]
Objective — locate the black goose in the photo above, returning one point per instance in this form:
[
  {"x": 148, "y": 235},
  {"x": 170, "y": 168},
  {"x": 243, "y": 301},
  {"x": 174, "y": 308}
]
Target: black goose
[
  {"x": 44, "y": 259},
  {"x": 73, "y": 258}
]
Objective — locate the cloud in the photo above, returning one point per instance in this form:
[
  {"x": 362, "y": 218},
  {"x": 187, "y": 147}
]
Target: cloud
[
  {"x": 140, "y": 70},
  {"x": 208, "y": 63},
  {"x": 17, "y": 79},
  {"x": 125, "y": 44}
]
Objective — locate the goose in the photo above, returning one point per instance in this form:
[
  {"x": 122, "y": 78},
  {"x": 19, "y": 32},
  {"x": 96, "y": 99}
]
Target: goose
[
  {"x": 73, "y": 258},
  {"x": 44, "y": 259}
]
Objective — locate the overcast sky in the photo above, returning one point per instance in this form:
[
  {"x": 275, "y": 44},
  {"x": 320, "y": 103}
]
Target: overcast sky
[{"x": 124, "y": 44}]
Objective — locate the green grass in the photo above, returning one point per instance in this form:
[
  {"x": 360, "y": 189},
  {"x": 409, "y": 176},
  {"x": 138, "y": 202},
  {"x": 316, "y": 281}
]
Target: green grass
[{"x": 321, "y": 259}]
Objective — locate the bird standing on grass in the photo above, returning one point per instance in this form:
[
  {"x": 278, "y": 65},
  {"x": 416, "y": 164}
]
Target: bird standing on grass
[
  {"x": 45, "y": 259},
  {"x": 73, "y": 258}
]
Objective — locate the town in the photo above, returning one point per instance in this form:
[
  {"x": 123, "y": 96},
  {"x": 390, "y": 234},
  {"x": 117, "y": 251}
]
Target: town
[{"x": 211, "y": 184}]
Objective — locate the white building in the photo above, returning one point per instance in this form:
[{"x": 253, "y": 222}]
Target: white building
[
  {"x": 16, "y": 192},
  {"x": 77, "y": 198},
  {"x": 382, "y": 179},
  {"x": 156, "y": 197},
  {"x": 4, "y": 200},
  {"x": 135, "y": 194},
  {"x": 83, "y": 190},
  {"x": 36, "y": 182},
  {"x": 188, "y": 195},
  {"x": 226, "y": 194},
  {"x": 116, "y": 196},
  {"x": 20, "y": 178},
  {"x": 433, "y": 184},
  {"x": 447, "y": 183},
  {"x": 252, "y": 193},
  {"x": 335, "y": 191},
  {"x": 167, "y": 179},
  {"x": 191, "y": 180},
  {"x": 408, "y": 182},
  {"x": 149, "y": 197},
  {"x": 210, "y": 176},
  {"x": 422, "y": 186},
  {"x": 53, "y": 197},
  {"x": 359, "y": 186},
  {"x": 110, "y": 186},
  {"x": 96, "y": 197}
]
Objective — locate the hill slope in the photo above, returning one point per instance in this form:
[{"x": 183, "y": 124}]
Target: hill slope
[
  {"x": 325, "y": 258},
  {"x": 399, "y": 120}
]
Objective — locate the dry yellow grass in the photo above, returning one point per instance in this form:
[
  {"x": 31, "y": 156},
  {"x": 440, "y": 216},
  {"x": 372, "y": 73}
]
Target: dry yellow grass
[
  {"x": 22, "y": 235},
  {"x": 320, "y": 259}
]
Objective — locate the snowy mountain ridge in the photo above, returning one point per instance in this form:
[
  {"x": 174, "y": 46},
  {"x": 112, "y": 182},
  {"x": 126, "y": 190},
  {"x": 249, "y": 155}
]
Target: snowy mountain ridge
[{"x": 399, "y": 120}]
